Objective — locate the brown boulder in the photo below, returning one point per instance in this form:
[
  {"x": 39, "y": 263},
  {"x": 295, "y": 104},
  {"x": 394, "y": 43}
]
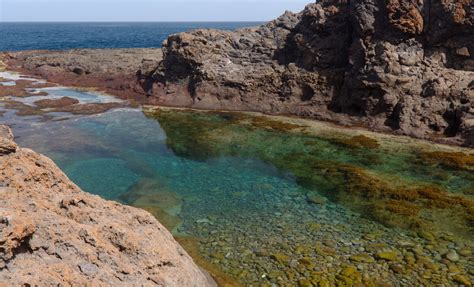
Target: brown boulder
[
  {"x": 52, "y": 233},
  {"x": 56, "y": 103}
]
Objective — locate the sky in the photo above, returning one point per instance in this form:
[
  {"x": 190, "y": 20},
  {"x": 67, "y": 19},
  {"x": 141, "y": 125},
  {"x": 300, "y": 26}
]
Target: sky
[{"x": 144, "y": 10}]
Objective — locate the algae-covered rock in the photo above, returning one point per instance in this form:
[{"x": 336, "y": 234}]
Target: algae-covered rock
[
  {"x": 461, "y": 279},
  {"x": 280, "y": 258},
  {"x": 387, "y": 255},
  {"x": 305, "y": 283},
  {"x": 362, "y": 257},
  {"x": 316, "y": 198},
  {"x": 458, "y": 160},
  {"x": 359, "y": 141}
]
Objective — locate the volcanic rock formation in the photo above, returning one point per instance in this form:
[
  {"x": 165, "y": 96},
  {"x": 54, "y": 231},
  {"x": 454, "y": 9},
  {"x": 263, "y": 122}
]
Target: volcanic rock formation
[
  {"x": 390, "y": 65},
  {"x": 400, "y": 66}
]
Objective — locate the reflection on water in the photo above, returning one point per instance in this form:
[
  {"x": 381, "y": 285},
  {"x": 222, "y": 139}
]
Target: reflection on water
[{"x": 260, "y": 201}]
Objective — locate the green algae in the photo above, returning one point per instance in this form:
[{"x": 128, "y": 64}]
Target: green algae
[
  {"x": 384, "y": 183},
  {"x": 454, "y": 160},
  {"x": 359, "y": 141},
  {"x": 245, "y": 188}
]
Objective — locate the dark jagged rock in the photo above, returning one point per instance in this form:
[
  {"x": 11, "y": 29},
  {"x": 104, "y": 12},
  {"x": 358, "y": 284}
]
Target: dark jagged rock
[
  {"x": 397, "y": 65},
  {"x": 401, "y": 66}
]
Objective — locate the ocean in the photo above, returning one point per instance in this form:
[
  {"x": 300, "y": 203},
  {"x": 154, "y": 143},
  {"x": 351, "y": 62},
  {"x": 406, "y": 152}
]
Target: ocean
[{"x": 61, "y": 36}]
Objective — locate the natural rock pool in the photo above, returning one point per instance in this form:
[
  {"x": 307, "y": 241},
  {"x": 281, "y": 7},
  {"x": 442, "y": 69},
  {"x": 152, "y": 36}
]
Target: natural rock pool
[{"x": 264, "y": 201}]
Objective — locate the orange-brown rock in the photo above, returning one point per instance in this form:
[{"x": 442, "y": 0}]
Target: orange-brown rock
[
  {"x": 405, "y": 16},
  {"x": 54, "y": 234}
]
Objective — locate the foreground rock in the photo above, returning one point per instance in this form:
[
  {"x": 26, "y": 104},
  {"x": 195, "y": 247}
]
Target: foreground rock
[
  {"x": 397, "y": 66},
  {"x": 52, "y": 233}
]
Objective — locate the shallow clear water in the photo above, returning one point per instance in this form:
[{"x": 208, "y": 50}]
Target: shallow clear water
[{"x": 257, "y": 201}]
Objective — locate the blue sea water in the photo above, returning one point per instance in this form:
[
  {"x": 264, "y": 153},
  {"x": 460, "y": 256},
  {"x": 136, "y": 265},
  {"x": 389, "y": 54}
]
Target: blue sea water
[{"x": 60, "y": 36}]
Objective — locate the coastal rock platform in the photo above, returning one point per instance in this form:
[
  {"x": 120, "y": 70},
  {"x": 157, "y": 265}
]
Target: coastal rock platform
[{"x": 401, "y": 67}]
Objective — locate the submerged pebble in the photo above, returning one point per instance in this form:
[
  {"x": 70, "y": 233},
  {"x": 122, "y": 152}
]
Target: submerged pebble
[{"x": 269, "y": 208}]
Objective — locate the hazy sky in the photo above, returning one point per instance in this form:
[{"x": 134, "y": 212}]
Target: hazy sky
[{"x": 146, "y": 10}]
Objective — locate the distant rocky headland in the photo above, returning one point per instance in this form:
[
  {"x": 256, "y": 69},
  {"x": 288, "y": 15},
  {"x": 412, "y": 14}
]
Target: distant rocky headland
[{"x": 397, "y": 66}]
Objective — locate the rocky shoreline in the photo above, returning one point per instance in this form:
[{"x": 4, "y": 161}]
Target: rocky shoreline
[
  {"x": 52, "y": 233},
  {"x": 398, "y": 67}
]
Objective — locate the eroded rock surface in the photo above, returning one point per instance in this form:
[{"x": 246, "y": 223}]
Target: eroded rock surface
[
  {"x": 400, "y": 66},
  {"x": 52, "y": 233}
]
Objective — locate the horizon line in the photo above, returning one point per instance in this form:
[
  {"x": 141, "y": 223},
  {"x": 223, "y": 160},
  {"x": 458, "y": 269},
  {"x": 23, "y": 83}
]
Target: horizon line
[{"x": 177, "y": 21}]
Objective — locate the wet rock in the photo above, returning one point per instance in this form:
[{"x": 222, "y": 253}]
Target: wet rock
[
  {"x": 203, "y": 221},
  {"x": 86, "y": 109},
  {"x": 387, "y": 255},
  {"x": 463, "y": 280},
  {"x": 315, "y": 198},
  {"x": 281, "y": 258},
  {"x": 427, "y": 235},
  {"x": 305, "y": 283},
  {"x": 56, "y": 103},
  {"x": 112, "y": 70},
  {"x": 362, "y": 257},
  {"x": 397, "y": 268},
  {"x": 452, "y": 255},
  {"x": 465, "y": 252}
]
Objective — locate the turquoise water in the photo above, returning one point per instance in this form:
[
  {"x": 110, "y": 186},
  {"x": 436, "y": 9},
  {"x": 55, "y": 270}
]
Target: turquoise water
[
  {"x": 261, "y": 202},
  {"x": 107, "y": 154}
]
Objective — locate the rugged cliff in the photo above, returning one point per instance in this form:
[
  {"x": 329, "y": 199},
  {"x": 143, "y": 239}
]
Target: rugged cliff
[
  {"x": 52, "y": 233},
  {"x": 391, "y": 65},
  {"x": 401, "y": 66}
]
